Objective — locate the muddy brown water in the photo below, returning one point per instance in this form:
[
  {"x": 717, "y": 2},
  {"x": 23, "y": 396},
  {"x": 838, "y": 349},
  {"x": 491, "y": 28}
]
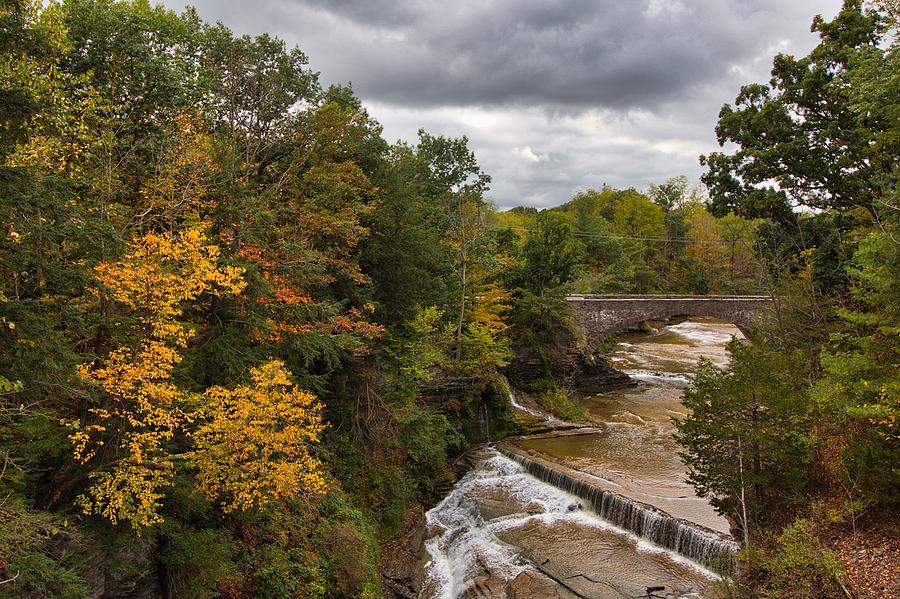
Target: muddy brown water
[{"x": 499, "y": 524}]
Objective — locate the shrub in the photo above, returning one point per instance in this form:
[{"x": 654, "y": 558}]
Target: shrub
[
  {"x": 197, "y": 563},
  {"x": 558, "y": 403},
  {"x": 801, "y": 566}
]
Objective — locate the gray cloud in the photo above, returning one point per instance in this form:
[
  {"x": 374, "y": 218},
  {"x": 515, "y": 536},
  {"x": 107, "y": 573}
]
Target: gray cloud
[
  {"x": 577, "y": 53},
  {"x": 624, "y": 92}
]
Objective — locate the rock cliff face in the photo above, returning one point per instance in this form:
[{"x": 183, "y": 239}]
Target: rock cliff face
[
  {"x": 589, "y": 374},
  {"x": 403, "y": 558},
  {"x": 593, "y": 374},
  {"x": 443, "y": 387},
  {"x": 128, "y": 568}
]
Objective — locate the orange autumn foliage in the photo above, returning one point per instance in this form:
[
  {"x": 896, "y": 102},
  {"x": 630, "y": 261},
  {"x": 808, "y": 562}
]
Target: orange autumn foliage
[
  {"x": 146, "y": 410},
  {"x": 288, "y": 292},
  {"x": 160, "y": 272}
]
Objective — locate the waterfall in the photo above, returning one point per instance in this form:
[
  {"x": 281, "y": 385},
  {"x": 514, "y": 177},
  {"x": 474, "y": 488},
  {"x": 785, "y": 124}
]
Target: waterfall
[
  {"x": 485, "y": 418},
  {"x": 463, "y": 543},
  {"x": 518, "y": 406},
  {"x": 692, "y": 541}
]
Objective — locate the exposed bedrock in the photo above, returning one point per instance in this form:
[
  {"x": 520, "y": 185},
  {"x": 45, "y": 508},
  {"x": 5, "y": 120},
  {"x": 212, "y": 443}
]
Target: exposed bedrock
[{"x": 582, "y": 371}]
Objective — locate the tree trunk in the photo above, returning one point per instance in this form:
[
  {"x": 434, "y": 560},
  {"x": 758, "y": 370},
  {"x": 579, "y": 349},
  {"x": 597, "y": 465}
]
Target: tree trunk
[{"x": 746, "y": 525}]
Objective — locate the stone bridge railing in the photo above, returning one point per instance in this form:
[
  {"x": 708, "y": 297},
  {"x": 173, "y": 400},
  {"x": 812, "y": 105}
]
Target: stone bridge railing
[{"x": 599, "y": 316}]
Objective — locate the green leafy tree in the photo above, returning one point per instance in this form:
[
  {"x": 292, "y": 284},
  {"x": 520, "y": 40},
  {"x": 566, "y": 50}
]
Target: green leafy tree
[
  {"x": 803, "y": 130},
  {"x": 739, "y": 236},
  {"x": 453, "y": 178},
  {"x": 586, "y": 211},
  {"x": 406, "y": 254},
  {"x": 636, "y": 218},
  {"x": 862, "y": 379},
  {"x": 551, "y": 256},
  {"x": 671, "y": 194},
  {"x": 252, "y": 88},
  {"x": 541, "y": 318},
  {"x": 747, "y": 440},
  {"x": 415, "y": 352}
]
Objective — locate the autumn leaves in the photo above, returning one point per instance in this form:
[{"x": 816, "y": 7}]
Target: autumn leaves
[{"x": 246, "y": 446}]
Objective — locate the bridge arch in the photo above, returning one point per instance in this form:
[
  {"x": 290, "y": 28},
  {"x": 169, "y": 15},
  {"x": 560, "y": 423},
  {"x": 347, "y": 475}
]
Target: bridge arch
[{"x": 599, "y": 316}]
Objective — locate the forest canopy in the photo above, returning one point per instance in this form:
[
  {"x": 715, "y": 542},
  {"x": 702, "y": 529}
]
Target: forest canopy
[{"x": 243, "y": 334}]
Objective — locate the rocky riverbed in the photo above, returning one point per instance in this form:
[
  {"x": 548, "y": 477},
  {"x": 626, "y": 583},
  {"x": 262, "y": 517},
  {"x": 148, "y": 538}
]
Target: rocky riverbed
[{"x": 504, "y": 532}]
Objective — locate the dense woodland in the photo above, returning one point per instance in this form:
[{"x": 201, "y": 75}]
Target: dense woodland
[{"x": 241, "y": 333}]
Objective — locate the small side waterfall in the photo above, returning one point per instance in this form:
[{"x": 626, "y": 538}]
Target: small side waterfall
[
  {"x": 484, "y": 417},
  {"x": 696, "y": 543},
  {"x": 514, "y": 402}
]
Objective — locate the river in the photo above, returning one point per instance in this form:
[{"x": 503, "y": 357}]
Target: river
[{"x": 503, "y": 532}]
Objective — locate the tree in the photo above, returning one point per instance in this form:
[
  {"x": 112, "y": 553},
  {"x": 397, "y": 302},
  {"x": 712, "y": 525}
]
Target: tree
[
  {"x": 145, "y": 409},
  {"x": 252, "y": 89},
  {"x": 706, "y": 251},
  {"x": 551, "y": 256},
  {"x": 406, "y": 254},
  {"x": 803, "y": 130},
  {"x": 541, "y": 318},
  {"x": 872, "y": 82},
  {"x": 586, "y": 211},
  {"x": 747, "y": 439},
  {"x": 140, "y": 60},
  {"x": 49, "y": 112},
  {"x": 739, "y": 235},
  {"x": 30, "y": 41},
  {"x": 862, "y": 365},
  {"x": 635, "y": 217},
  {"x": 452, "y": 177},
  {"x": 253, "y": 445},
  {"x": 671, "y": 194},
  {"x": 299, "y": 232},
  {"x": 250, "y": 441}
]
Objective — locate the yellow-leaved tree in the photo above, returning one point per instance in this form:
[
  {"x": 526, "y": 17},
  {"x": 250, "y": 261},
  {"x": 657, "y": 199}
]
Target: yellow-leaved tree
[
  {"x": 247, "y": 441},
  {"x": 254, "y": 445}
]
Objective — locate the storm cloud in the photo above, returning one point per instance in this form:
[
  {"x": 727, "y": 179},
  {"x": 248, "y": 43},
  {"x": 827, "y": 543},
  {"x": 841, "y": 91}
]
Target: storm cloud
[{"x": 554, "y": 95}]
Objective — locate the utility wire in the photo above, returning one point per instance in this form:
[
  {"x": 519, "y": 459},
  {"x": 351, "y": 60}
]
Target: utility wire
[{"x": 590, "y": 234}]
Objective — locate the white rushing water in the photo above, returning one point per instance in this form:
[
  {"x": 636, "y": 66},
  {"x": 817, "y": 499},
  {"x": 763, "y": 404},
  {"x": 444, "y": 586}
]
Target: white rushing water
[
  {"x": 653, "y": 361},
  {"x": 550, "y": 419},
  {"x": 463, "y": 539},
  {"x": 502, "y": 531},
  {"x": 705, "y": 335},
  {"x": 515, "y": 403},
  {"x": 496, "y": 497}
]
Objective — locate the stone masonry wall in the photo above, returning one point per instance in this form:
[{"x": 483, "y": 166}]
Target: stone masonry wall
[{"x": 599, "y": 316}]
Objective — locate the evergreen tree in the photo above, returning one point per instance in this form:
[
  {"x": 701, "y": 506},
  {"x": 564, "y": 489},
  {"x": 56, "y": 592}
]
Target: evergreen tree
[{"x": 747, "y": 440}]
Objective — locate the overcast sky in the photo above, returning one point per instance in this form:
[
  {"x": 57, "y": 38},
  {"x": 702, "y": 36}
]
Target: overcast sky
[{"x": 555, "y": 96}]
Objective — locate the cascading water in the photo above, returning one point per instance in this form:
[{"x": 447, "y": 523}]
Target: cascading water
[
  {"x": 484, "y": 415},
  {"x": 689, "y": 540},
  {"x": 463, "y": 543},
  {"x": 515, "y": 403},
  {"x": 604, "y": 514},
  {"x": 480, "y": 535}
]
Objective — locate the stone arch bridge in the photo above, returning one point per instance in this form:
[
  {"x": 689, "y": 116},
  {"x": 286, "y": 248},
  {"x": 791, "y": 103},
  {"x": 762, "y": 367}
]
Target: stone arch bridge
[{"x": 600, "y": 316}]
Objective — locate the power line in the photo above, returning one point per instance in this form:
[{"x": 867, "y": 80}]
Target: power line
[{"x": 591, "y": 234}]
